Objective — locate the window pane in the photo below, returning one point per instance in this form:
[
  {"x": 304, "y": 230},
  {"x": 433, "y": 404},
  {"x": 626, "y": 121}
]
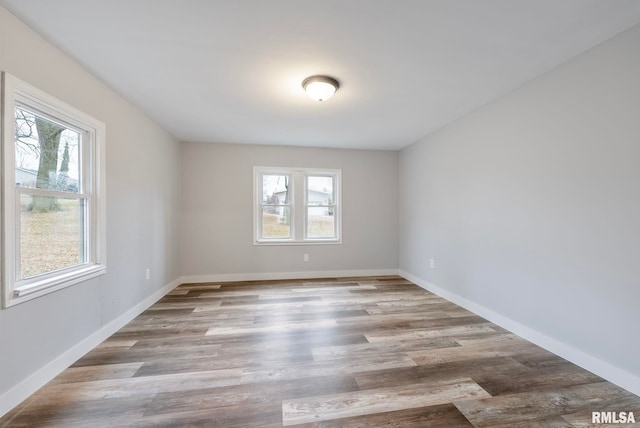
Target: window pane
[
  {"x": 276, "y": 222},
  {"x": 320, "y": 222},
  {"x": 319, "y": 190},
  {"x": 275, "y": 189},
  {"x": 50, "y": 239},
  {"x": 47, "y": 153}
]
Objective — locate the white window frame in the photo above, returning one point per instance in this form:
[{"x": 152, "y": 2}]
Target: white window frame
[
  {"x": 298, "y": 205},
  {"x": 17, "y": 93}
]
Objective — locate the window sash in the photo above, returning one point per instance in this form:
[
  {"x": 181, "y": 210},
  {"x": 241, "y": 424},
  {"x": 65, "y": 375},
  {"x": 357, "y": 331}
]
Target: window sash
[
  {"x": 261, "y": 204},
  {"x": 309, "y": 205},
  {"x": 288, "y": 225},
  {"x": 20, "y": 280}
]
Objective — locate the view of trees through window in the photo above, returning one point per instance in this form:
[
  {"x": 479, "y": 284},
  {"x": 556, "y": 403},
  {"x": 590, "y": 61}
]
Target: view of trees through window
[
  {"x": 276, "y": 206},
  {"x": 47, "y": 176}
]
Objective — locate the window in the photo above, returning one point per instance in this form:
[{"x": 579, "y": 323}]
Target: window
[
  {"x": 52, "y": 194},
  {"x": 296, "y": 205}
]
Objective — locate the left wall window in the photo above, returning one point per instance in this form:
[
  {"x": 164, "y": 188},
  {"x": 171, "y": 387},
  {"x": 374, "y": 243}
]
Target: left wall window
[{"x": 53, "y": 231}]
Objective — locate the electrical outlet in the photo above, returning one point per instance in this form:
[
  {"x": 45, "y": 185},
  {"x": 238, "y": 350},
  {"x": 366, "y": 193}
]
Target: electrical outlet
[
  {"x": 305, "y": 257},
  {"x": 147, "y": 273},
  {"x": 432, "y": 263}
]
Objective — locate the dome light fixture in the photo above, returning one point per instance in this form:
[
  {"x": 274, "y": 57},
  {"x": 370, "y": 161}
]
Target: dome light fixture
[{"x": 320, "y": 88}]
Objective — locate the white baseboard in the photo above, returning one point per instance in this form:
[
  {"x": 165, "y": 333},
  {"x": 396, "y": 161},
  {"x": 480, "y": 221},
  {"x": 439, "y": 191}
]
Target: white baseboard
[
  {"x": 24, "y": 389},
  {"x": 613, "y": 374},
  {"x": 265, "y": 276}
]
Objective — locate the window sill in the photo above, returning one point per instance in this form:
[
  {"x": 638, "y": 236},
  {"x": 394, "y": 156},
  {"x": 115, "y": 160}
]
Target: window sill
[
  {"x": 308, "y": 242},
  {"x": 40, "y": 288}
]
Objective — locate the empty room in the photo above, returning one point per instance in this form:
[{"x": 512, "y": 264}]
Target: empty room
[{"x": 268, "y": 213}]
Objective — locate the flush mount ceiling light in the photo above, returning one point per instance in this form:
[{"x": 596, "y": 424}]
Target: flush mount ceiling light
[{"x": 320, "y": 88}]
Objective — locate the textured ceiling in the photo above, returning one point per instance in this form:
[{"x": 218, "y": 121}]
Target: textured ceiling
[{"x": 229, "y": 71}]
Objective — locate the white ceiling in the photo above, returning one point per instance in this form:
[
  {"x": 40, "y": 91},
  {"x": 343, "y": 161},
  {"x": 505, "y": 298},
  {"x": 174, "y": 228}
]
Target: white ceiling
[{"x": 229, "y": 71}]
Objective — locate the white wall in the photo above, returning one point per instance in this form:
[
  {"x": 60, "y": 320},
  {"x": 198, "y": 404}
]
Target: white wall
[
  {"x": 143, "y": 184},
  {"x": 530, "y": 207},
  {"x": 217, "y": 192}
]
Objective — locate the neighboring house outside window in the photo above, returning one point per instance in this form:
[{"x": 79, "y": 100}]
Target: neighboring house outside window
[
  {"x": 52, "y": 194},
  {"x": 297, "y": 205}
]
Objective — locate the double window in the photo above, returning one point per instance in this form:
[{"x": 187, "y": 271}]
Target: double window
[
  {"x": 296, "y": 205},
  {"x": 52, "y": 193}
]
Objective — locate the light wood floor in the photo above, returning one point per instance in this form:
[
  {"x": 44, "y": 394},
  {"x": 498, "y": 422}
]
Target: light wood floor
[{"x": 359, "y": 352}]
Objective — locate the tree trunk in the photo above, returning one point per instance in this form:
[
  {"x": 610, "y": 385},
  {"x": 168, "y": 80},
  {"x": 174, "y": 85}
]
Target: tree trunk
[{"x": 49, "y": 139}]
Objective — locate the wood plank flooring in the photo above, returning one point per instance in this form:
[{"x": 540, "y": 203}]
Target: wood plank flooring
[{"x": 348, "y": 352}]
